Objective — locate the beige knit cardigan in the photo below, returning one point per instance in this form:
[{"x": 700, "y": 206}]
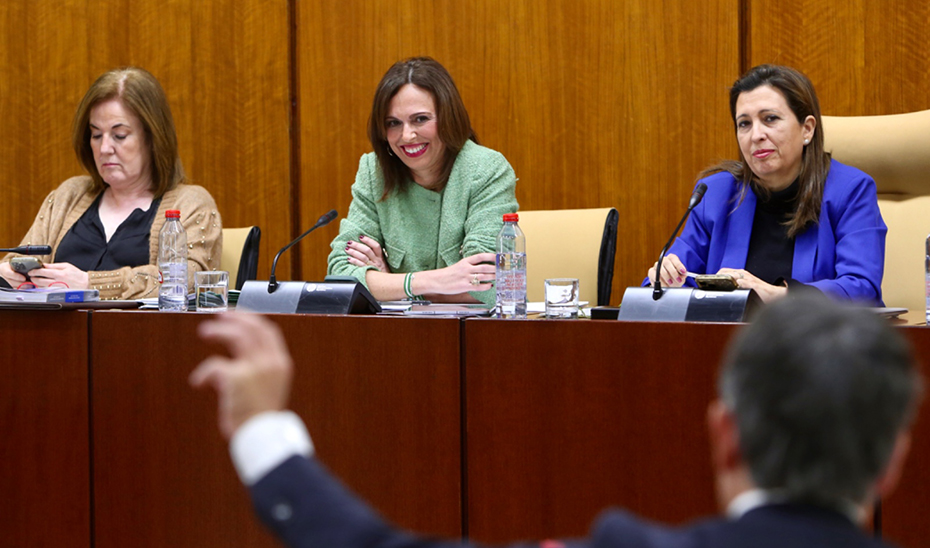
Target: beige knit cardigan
[{"x": 199, "y": 216}]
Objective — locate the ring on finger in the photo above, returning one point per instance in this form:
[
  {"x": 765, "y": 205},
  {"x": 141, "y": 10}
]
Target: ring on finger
[{"x": 474, "y": 280}]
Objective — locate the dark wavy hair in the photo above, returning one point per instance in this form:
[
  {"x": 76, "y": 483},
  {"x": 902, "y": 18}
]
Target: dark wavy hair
[
  {"x": 142, "y": 95},
  {"x": 452, "y": 118},
  {"x": 815, "y": 161}
]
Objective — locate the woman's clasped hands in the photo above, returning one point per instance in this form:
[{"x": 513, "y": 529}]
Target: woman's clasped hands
[{"x": 367, "y": 252}]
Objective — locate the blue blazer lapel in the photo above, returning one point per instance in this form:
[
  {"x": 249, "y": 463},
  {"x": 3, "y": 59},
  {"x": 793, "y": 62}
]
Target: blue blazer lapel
[
  {"x": 805, "y": 253},
  {"x": 740, "y": 229}
]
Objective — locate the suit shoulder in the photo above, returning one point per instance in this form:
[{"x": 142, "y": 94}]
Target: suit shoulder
[
  {"x": 476, "y": 158},
  {"x": 369, "y": 178},
  {"x": 847, "y": 175},
  {"x": 719, "y": 180},
  {"x": 195, "y": 194},
  {"x": 75, "y": 186},
  {"x": 620, "y": 529},
  {"x": 722, "y": 190}
]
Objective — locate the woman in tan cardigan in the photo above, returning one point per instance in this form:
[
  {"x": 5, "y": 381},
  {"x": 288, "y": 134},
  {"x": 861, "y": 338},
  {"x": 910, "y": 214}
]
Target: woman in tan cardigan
[{"x": 103, "y": 228}]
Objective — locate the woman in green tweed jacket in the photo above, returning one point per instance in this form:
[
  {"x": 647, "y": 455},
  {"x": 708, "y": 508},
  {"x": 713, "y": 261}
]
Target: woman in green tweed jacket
[{"x": 428, "y": 203}]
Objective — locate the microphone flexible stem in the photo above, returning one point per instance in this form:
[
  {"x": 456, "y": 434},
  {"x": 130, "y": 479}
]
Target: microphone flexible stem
[
  {"x": 322, "y": 221},
  {"x": 657, "y": 288},
  {"x": 696, "y": 198}
]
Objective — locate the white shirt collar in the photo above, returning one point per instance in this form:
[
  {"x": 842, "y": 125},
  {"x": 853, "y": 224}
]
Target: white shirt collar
[{"x": 749, "y": 500}]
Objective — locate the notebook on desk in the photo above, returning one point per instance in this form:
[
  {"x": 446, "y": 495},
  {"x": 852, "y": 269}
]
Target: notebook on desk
[
  {"x": 96, "y": 305},
  {"x": 43, "y": 295},
  {"x": 459, "y": 310}
]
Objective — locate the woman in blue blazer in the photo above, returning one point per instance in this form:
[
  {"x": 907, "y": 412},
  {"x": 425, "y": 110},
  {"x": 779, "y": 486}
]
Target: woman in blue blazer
[{"x": 784, "y": 215}]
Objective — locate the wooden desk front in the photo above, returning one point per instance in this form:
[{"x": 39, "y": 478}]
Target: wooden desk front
[
  {"x": 561, "y": 420},
  {"x": 578, "y": 416},
  {"x": 575, "y": 416},
  {"x": 380, "y": 394},
  {"x": 45, "y": 488}
]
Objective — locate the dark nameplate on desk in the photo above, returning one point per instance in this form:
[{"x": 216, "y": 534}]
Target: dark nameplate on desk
[
  {"x": 682, "y": 304},
  {"x": 329, "y": 297}
]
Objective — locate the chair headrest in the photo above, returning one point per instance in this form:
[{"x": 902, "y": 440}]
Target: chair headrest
[{"x": 893, "y": 149}]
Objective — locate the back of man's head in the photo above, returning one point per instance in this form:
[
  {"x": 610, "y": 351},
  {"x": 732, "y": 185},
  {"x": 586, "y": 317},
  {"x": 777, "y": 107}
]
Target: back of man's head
[{"x": 820, "y": 392}]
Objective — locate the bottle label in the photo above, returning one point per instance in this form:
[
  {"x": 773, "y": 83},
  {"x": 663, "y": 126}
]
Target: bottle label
[{"x": 511, "y": 285}]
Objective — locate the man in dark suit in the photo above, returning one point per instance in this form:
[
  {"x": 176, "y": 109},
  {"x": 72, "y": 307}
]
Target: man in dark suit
[{"x": 810, "y": 429}]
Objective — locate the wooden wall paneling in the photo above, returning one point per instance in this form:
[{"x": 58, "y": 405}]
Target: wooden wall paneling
[
  {"x": 223, "y": 65},
  {"x": 343, "y": 49},
  {"x": 239, "y": 109},
  {"x": 864, "y": 58},
  {"x": 41, "y": 82},
  {"x": 595, "y": 103},
  {"x": 581, "y": 416},
  {"x": 162, "y": 474},
  {"x": 44, "y": 418}
]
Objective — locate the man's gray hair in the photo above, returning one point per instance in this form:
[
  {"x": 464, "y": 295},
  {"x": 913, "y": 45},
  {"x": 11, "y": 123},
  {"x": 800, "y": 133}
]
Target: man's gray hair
[{"x": 820, "y": 392}]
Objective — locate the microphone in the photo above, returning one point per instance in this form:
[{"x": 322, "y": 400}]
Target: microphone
[
  {"x": 696, "y": 198},
  {"x": 29, "y": 250},
  {"x": 322, "y": 221}
]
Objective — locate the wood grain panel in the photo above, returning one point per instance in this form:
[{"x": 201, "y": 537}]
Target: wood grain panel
[
  {"x": 864, "y": 58},
  {"x": 595, "y": 103},
  {"x": 43, "y": 75},
  {"x": 223, "y": 65},
  {"x": 162, "y": 475},
  {"x": 580, "y": 416},
  {"x": 162, "y": 472},
  {"x": 44, "y": 418}
]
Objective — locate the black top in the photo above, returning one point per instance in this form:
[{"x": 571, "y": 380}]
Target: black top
[
  {"x": 771, "y": 251},
  {"x": 86, "y": 246}
]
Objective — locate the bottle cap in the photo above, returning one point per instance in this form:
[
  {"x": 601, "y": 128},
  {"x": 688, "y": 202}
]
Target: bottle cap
[
  {"x": 172, "y": 214},
  {"x": 511, "y": 217}
]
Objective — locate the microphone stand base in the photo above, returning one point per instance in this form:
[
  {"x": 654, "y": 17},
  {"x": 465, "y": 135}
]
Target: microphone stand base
[
  {"x": 688, "y": 304},
  {"x": 329, "y": 297}
]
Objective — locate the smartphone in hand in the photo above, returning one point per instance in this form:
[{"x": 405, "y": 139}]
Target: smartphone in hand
[
  {"x": 25, "y": 264},
  {"x": 716, "y": 282}
]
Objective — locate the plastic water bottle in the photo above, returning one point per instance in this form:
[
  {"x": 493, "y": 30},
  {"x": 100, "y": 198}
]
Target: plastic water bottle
[
  {"x": 510, "y": 273},
  {"x": 172, "y": 263}
]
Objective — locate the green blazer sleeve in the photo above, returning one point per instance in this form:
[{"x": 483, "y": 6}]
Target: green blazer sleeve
[
  {"x": 490, "y": 192},
  {"x": 480, "y": 190}
]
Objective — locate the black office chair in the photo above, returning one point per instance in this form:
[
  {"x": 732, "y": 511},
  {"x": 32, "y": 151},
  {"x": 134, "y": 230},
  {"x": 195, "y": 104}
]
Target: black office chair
[{"x": 240, "y": 254}]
